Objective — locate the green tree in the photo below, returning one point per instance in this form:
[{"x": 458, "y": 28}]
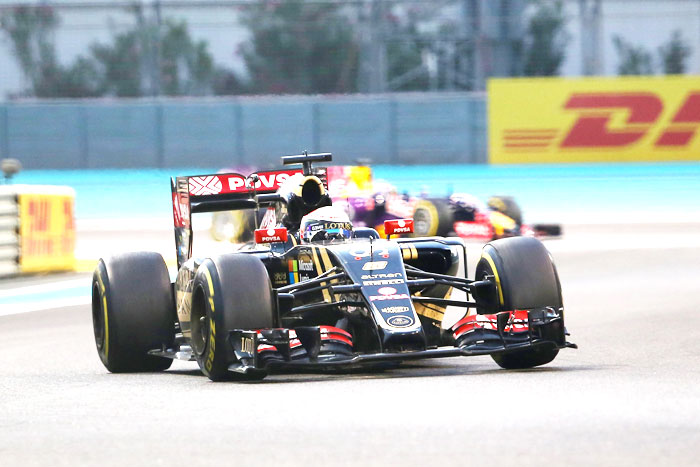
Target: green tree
[
  {"x": 300, "y": 47},
  {"x": 633, "y": 59},
  {"x": 30, "y": 30},
  {"x": 674, "y": 54},
  {"x": 545, "y": 40},
  {"x": 149, "y": 59},
  {"x": 404, "y": 52}
]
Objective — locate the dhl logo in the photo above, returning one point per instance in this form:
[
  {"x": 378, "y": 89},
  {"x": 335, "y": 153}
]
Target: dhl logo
[
  {"x": 594, "y": 119},
  {"x": 593, "y": 128}
]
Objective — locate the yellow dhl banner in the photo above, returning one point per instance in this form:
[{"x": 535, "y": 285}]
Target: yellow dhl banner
[
  {"x": 47, "y": 232},
  {"x": 554, "y": 120}
]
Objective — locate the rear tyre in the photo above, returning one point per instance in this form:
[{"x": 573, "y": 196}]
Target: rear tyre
[
  {"x": 132, "y": 312},
  {"x": 525, "y": 278},
  {"x": 229, "y": 292},
  {"x": 433, "y": 217}
]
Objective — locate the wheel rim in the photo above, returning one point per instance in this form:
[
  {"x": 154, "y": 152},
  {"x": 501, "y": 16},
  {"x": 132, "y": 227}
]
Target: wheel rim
[
  {"x": 422, "y": 221},
  {"x": 98, "y": 322},
  {"x": 199, "y": 322}
]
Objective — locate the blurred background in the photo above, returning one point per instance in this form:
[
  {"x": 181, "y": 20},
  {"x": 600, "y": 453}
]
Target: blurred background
[
  {"x": 585, "y": 111},
  {"x": 113, "y": 97}
]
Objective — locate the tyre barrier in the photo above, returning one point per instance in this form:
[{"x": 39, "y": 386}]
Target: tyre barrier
[{"x": 37, "y": 229}]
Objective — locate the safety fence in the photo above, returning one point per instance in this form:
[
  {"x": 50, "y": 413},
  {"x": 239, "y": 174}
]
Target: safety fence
[
  {"x": 37, "y": 229},
  {"x": 389, "y": 129}
]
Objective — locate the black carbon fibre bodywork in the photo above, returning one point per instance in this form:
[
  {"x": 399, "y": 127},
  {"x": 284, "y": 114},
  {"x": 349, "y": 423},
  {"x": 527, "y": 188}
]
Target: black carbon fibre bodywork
[{"x": 355, "y": 301}]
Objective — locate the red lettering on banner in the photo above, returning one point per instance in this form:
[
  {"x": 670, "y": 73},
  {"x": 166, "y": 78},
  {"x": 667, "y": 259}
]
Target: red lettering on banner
[
  {"x": 591, "y": 130},
  {"x": 689, "y": 113}
]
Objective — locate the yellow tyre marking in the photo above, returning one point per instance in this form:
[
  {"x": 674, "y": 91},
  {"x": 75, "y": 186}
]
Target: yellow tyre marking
[
  {"x": 489, "y": 260},
  {"x": 104, "y": 310},
  {"x": 430, "y": 207},
  {"x": 414, "y": 251},
  {"x": 212, "y": 327}
]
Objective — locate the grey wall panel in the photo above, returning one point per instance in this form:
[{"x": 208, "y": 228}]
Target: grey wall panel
[
  {"x": 391, "y": 129},
  {"x": 272, "y": 129},
  {"x": 199, "y": 135},
  {"x": 123, "y": 135},
  {"x": 354, "y": 130},
  {"x": 433, "y": 132},
  {"x": 479, "y": 138},
  {"x": 44, "y": 136}
]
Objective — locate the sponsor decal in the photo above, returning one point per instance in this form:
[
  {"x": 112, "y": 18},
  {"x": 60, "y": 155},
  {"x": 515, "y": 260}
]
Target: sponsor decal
[
  {"x": 363, "y": 251},
  {"x": 271, "y": 235},
  {"x": 269, "y": 219},
  {"x": 306, "y": 262},
  {"x": 279, "y": 278},
  {"x": 235, "y": 183},
  {"x": 46, "y": 231},
  {"x": 398, "y": 226},
  {"x": 202, "y": 186},
  {"x": 373, "y": 265},
  {"x": 331, "y": 226},
  {"x": 384, "y": 282},
  {"x": 272, "y": 180},
  {"x": 593, "y": 119},
  {"x": 375, "y": 298},
  {"x": 387, "y": 291},
  {"x": 472, "y": 229},
  {"x": 400, "y": 321},
  {"x": 394, "y": 309},
  {"x": 382, "y": 275},
  {"x": 293, "y": 268},
  {"x": 247, "y": 345}
]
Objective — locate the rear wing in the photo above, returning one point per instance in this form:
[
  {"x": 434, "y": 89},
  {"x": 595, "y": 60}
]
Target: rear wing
[{"x": 217, "y": 192}]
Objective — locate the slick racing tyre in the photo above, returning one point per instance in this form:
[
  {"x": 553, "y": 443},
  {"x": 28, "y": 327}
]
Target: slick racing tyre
[
  {"x": 525, "y": 278},
  {"x": 506, "y": 205},
  {"x": 132, "y": 312},
  {"x": 432, "y": 217},
  {"x": 229, "y": 292}
]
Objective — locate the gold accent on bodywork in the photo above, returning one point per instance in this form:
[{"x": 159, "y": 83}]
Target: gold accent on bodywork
[
  {"x": 409, "y": 251},
  {"x": 434, "y": 312},
  {"x": 320, "y": 269}
]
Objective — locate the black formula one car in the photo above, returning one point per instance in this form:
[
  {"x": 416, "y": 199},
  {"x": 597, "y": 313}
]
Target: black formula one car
[{"x": 292, "y": 301}]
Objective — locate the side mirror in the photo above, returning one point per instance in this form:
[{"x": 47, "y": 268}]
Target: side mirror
[
  {"x": 398, "y": 226},
  {"x": 271, "y": 235}
]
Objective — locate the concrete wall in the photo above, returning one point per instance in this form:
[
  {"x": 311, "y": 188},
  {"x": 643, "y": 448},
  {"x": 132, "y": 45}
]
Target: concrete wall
[{"x": 388, "y": 129}]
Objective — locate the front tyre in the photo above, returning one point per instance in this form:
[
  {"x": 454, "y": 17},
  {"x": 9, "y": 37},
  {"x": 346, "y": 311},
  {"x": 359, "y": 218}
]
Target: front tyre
[
  {"x": 132, "y": 312},
  {"x": 229, "y": 292},
  {"x": 525, "y": 278}
]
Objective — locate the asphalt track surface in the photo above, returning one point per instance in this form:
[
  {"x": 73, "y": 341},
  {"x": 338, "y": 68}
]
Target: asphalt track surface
[{"x": 629, "y": 396}]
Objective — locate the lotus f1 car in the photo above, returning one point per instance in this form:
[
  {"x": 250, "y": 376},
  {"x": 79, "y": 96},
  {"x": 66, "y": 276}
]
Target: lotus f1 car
[{"x": 295, "y": 302}]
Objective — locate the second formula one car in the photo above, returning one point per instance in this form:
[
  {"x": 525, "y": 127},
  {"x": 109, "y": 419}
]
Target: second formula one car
[
  {"x": 370, "y": 202},
  {"x": 314, "y": 291}
]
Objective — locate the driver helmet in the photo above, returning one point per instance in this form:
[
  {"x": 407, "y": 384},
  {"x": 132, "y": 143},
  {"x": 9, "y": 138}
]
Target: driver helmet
[{"x": 326, "y": 223}]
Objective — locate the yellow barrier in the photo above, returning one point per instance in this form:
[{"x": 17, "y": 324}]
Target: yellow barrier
[
  {"x": 553, "y": 120},
  {"x": 46, "y": 229}
]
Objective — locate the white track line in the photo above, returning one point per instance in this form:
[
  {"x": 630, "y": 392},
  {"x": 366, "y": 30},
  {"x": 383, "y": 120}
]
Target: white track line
[
  {"x": 47, "y": 287},
  {"x": 18, "y": 308}
]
